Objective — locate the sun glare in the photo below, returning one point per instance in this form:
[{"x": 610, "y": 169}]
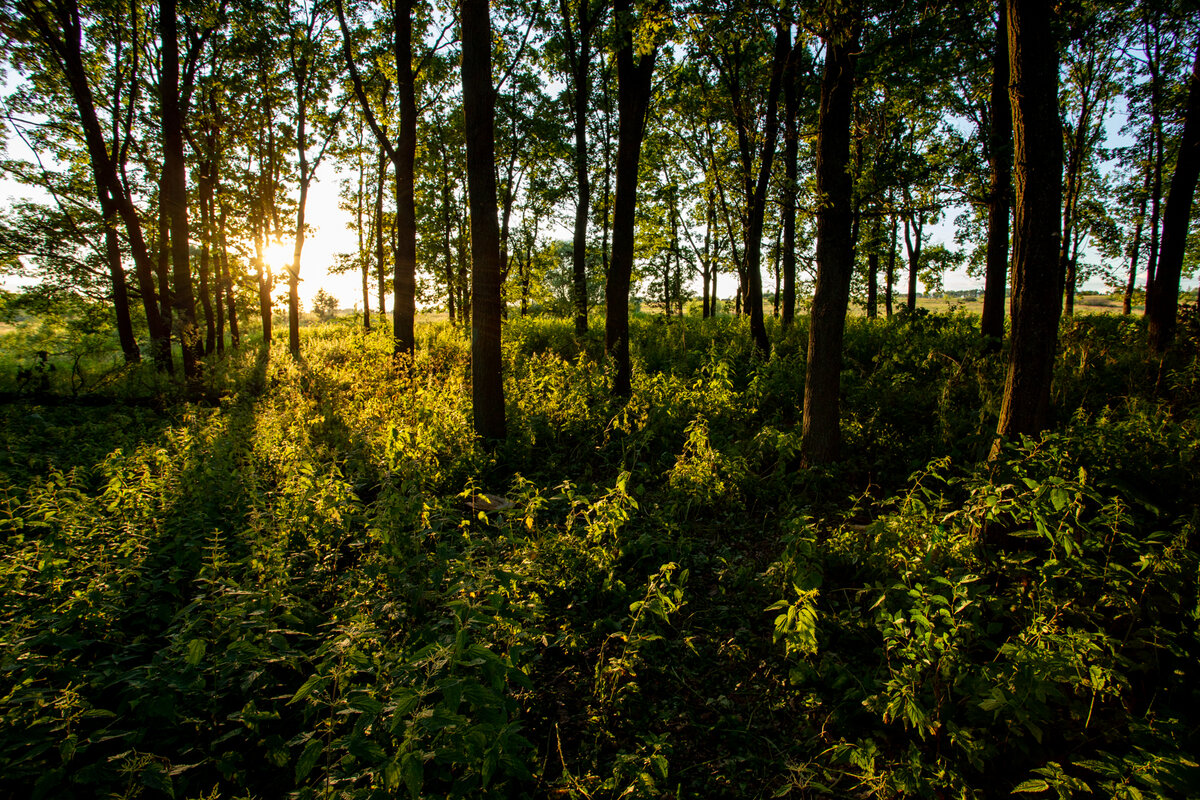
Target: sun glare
[{"x": 278, "y": 256}]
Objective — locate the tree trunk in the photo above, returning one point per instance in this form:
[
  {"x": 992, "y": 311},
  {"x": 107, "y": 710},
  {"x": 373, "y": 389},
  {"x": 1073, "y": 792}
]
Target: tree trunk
[
  {"x": 265, "y": 280},
  {"x": 1037, "y": 277},
  {"x": 1127, "y": 306},
  {"x": 205, "y": 184},
  {"x": 991, "y": 321},
  {"x": 235, "y": 338},
  {"x": 1163, "y": 299},
  {"x": 174, "y": 197},
  {"x": 821, "y": 435},
  {"x": 380, "y": 269},
  {"x": 914, "y": 256},
  {"x": 634, "y": 73},
  {"x": 404, "y": 298},
  {"x": 791, "y": 139},
  {"x": 758, "y": 201},
  {"x": 487, "y": 381},
  {"x": 891, "y": 267},
  {"x": 579, "y": 54},
  {"x": 873, "y": 269}
]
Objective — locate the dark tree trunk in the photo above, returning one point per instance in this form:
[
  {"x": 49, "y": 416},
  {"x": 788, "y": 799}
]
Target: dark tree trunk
[
  {"x": 487, "y": 383},
  {"x": 821, "y": 435},
  {"x": 914, "y": 255},
  {"x": 404, "y": 298},
  {"x": 758, "y": 204},
  {"x": 235, "y": 337},
  {"x": 634, "y": 73},
  {"x": 1155, "y": 215},
  {"x": 891, "y": 267},
  {"x": 265, "y": 280},
  {"x": 579, "y": 56},
  {"x": 403, "y": 157},
  {"x": 995, "y": 280},
  {"x": 1037, "y": 276},
  {"x": 873, "y": 269},
  {"x": 791, "y": 139},
  {"x": 380, "y": 267},
  {"x": 205, "y": 184},
  {"x": 116, "y": 270},
  {"x": 174, "y": 188},
  {"x": 1127, "y": 306},
  {"x": 1163, "y": 299}
]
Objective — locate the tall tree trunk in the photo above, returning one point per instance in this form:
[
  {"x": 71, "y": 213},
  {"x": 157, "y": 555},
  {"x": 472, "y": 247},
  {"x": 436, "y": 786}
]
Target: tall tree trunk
[
  {"x": 120, "y": 288},
  {"x": 487, "y": 380},
  {"x": 914, "y": 255},
  {"x": 1127, "y": 306},
  {"x": 205, "y": 184},
  {"x": 891, "y": 267},
  {"x": 404, "y": 300},
  {"x": 634, "y": 73},
  {"x": 791, "y": 139},
  {"x": 873, "y": 269},
  {"x": 758, "y": 204},
  {"x": 265, "y": 280},
  {"x": 579, "y": 56},
  {"x": 1155, "y": 216},
  {"x": 235, "y": 337},
  {"x": 174, "y": 189},
  {"x": 1037, "y": 275},
  {"x": 1163, "y": 300},
  {"x": 821, "y": 436},
  {"x": 991, "y": 321},
  {"x": 380, "y": 269}
]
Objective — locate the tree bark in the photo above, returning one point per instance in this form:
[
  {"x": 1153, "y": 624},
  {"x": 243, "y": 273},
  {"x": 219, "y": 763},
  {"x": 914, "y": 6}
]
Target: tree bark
[
  {"x": 1163, "y": 299},
  {"x": 1037, "y": 274},
  {"x": 758, "y": 204},
  {"x": 991, "y": 323},
  {"x": 821, "y": 435},
  {"x": 791, "y": 139},
  {"x": 487, "y": 383},
  {"x": 174, "y": 193},
  {"x": 634, "y": 73},
  {"x": 579, "y": 57}
]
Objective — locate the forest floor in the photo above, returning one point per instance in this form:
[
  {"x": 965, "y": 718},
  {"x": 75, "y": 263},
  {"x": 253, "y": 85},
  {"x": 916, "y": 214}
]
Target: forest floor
[{"x": 310, "y": 580}]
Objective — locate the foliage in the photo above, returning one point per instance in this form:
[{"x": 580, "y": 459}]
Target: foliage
[{"x": 317, "y": 583}]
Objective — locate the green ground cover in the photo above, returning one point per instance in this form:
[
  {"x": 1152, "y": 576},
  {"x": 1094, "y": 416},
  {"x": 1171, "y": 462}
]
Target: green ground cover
[{"x": 310, "y": 580}]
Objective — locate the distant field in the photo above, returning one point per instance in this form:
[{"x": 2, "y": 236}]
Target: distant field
[{"x": 1084, "y": 304}]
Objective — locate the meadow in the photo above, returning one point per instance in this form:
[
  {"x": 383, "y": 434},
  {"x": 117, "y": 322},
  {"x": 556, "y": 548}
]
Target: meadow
[{"x": 309, "y": 579}]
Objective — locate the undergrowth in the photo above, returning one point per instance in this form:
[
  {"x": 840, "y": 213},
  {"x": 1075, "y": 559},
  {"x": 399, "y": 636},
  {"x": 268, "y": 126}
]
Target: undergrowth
[{"x": 314, "y": 582}]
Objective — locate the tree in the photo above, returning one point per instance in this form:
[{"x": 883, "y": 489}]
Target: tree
[
  {"x": 324, "y": 305},
  {"x": 578, "y": 25},
  {"x": 999, "y": 151},
  {"x": 487, "y": 382},
  {"x": 635, "y": 68},
  {"x": 403, "y": 155},
  {"x": 57, "y": 33},
  {"x": 1163, "y": 299},
  {"x": 311, "y": 69},
  {"x": 821, "y": 435},
  {"x": 1036, "y": 274}
]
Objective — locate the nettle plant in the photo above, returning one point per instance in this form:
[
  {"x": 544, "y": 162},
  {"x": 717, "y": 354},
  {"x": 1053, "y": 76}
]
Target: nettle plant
[{"x": 1056, "y": 659}]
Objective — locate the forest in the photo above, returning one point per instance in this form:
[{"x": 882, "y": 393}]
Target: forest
[{"x": 643, "y": 465}]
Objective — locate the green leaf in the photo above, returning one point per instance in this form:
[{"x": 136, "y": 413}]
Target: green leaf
[
  {"x": 1031, "y": 786},
  {"x": 195, "y": 651},
  {"x": 313, "y": 683},
  {"x": 413, "y": 769},
  {"x": 308, "y": 759}
]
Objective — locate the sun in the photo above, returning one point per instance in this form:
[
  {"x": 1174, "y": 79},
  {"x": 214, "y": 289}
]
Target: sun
[{"x": 278, "y": 256}]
